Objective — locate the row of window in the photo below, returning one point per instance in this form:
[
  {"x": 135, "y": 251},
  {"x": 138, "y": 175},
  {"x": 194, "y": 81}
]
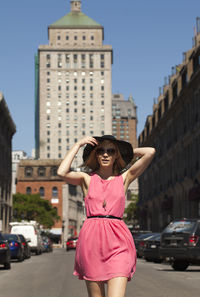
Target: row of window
[
  {"x": 54, "y": 191},
  {"x": 75, "y": 37},
  {"x": 48, "y": 103},
  {"x": 75, "y": 96},
  {"x": 75, "y": 61},
  {"x": 41, "y": 171},
  {"x": 75, "y": 80}
]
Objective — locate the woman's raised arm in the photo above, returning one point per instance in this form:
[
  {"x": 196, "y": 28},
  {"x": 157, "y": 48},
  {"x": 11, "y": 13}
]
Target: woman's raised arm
[
  {"x": 72, "y": 177},
  {"x": 145, "y": 155}
]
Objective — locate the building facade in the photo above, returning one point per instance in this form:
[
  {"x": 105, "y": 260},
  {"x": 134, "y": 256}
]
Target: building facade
[
  {"x": 7, "y": 130},
  {"x": 16, "y": 157},
  {"x": 170, "y": 187},
  {"x": 40, "y": 177},
  {"x": 124, "y": 119},
  {"x": 73, "y": 85},
  {"x": 124, "y": 127}
]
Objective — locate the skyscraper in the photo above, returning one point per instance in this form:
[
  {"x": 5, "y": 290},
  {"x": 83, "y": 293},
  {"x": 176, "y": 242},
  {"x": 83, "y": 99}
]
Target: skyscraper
[
  {"x": 124, "y": 119},
  {"x": 73, "y": 84}
]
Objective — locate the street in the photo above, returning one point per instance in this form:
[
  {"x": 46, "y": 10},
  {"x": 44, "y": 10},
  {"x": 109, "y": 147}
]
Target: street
[{"x": 50, "y": 275}]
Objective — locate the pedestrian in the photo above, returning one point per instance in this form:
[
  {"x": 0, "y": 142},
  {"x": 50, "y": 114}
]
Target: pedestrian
[{"x": 105, "y": 252}]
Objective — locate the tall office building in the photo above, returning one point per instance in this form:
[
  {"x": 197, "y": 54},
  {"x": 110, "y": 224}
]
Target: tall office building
[
  {"x": 73, "y": 84},
  {"x": 124, "y": 127},
  {"x": 124, "y": 119}
]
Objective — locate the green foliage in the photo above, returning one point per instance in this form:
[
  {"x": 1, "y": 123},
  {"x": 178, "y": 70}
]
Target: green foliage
[
  {"x": 32, "y": 207},
  {"x": 131, "y": 210}
]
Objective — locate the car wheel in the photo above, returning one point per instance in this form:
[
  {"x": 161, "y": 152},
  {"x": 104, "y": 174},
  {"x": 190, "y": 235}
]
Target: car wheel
[
  {"x": 7, "y": 265},
  {"x": 21, "y": 258},
  {"x": 180, "y": 265}
]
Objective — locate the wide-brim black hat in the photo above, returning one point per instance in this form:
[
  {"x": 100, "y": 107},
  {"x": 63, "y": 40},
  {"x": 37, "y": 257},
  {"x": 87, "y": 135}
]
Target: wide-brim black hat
[{"x": 125, "y": 148}]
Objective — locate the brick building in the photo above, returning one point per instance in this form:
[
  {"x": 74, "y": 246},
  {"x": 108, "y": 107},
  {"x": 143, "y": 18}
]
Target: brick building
[
  {"x": 124, "y": 126},
  {"x": 40, "y": 176},
  {"x": 170, "y": 187}
]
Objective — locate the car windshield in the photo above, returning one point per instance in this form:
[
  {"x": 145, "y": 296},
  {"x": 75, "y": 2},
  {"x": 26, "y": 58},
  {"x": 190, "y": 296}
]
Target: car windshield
[
  {"x": 142, "y": 236},
  {"x": 22, "y": 237},
  {"x": 10, "y": 237},
  {"x": 180, "y": 226}
]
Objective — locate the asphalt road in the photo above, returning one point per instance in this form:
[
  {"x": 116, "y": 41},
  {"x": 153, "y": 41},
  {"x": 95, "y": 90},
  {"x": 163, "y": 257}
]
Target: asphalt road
[{"x": 50, "y": 275}]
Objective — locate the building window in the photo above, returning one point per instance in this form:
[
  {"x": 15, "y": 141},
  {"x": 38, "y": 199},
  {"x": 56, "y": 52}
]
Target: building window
[
  {"x": 75, "y": 60},
  {"x": 28, "y": 171},
  {"x": 92, "y": 37},
  {"x": 102, "y": 61},
  {"x": 67, "y": 37},
  {"x": 84, "y": 37},
  {"x": 91, "y": 60},
  {"x": 41, "y": 191},
  {"x": 83, "y": 61},
  {"x": 59, "y": 60},
  {"x": 28, "y": 191},
  {"x": 54, "y": 192},
  {"x": 75, "y": 37},
  {"x": 41, "y": 171},
  {"x": 67, "y": 60},
  {"x": 48, "y": 61}
]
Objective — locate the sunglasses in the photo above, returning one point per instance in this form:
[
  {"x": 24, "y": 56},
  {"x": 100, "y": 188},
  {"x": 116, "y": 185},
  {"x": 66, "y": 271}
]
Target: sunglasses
[{"x": 109, "y": 151}]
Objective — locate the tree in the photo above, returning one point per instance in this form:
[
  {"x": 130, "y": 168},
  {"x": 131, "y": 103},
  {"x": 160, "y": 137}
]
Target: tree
[
  {"x": 32, "y": 207},
  {"x": 131, "y": 210}
]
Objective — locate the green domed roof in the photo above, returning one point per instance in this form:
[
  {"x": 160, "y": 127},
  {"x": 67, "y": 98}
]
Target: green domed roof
[{"x": 75, "y": 20}]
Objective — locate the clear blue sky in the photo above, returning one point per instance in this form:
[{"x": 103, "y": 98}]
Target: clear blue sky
[{"x": 148, "y": 38}]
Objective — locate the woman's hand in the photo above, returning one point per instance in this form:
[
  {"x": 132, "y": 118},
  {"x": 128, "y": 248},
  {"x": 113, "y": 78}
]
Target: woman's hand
[{"x": 87, "y": 140}]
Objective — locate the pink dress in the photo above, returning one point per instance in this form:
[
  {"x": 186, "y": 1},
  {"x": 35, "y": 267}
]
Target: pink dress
[{"x": 105, "y": 247}]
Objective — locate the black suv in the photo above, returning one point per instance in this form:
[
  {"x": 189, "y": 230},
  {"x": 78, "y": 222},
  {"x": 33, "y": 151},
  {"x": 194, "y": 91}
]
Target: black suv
[{"x": 180, "y": 242}]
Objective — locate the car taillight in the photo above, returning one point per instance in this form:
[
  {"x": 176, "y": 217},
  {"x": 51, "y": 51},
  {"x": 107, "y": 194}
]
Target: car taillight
[
  {"x": 193, "y": 240},
  {"x": 16, "y": 244},
  {"x": 23, "y": 243},
  {"x": 141, "y": 243},
  {"x": 2, "y": 245},
  {"x": 68, "y": 243}
]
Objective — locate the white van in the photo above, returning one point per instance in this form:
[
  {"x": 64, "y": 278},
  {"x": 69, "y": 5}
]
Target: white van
[{"x": 31, "y": 233}]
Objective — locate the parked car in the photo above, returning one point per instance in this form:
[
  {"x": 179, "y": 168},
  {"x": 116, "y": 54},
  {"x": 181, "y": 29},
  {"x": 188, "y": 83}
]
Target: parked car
[
  {"x": 180, "y": 242},
  {"x": 71, "y": 243},
  {"x": 27, "y": 249},
  {"x": 152, "y": 249},
  {"x": 139, "y": 243},
  {"x": 47, "y": 244},
  {"x": 16, "y": 246},
  {"x": 30, "y": 232},
  {"x": 4, "y": 252}
]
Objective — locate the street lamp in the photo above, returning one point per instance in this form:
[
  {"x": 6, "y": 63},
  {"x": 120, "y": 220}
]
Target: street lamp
[{"x": 63, "y": 231}]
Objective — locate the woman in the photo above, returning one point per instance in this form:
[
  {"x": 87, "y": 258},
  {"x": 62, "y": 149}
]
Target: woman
[{"x": 105, "y": 251}]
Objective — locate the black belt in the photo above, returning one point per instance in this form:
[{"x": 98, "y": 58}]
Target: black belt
[{"x": 108, "y": 217}]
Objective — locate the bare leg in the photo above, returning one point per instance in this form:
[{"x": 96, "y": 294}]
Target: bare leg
[
  {"x": 95, "y": 289},
  {"x": 117, "y": 286}
]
